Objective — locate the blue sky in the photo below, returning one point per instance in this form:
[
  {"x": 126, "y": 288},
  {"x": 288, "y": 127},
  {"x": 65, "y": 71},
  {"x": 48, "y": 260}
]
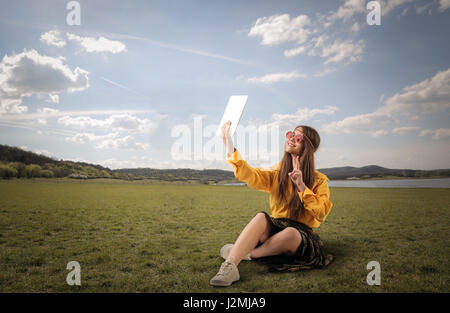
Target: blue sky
[{"x": 112, "y": 89}]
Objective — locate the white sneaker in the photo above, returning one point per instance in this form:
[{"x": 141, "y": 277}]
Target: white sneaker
[
  {"x": 227, "y": 274},
  {"x": 225, "y": 251}
]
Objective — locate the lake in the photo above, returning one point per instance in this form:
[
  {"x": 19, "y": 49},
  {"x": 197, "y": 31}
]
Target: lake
[
  {"x": 393, "y": 183},
  {"x": 386, "y": 183}
]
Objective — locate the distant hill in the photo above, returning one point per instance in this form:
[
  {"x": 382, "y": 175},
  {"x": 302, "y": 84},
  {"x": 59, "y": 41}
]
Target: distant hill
[
  {"x": 16, "y": 162},
  {"x": 347, "y": 172},
  {"x": 15, "y": 154},
  {"x": 373, "y": 171}
]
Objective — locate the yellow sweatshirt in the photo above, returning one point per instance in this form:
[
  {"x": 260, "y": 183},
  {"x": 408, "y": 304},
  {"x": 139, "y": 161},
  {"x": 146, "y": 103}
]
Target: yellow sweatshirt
[{"x": 315, "y": 200}]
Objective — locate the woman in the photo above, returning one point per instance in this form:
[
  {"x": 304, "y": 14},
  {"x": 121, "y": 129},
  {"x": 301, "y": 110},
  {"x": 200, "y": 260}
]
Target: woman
[{"x": 299, "y": 201}]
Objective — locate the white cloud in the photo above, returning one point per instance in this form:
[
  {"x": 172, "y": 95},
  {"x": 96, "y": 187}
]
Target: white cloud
[
  {"x": 89, "y": 44},
  {"x": 444, "y": 5},
  {"x": 295, "y": 51},
  {"x": 345, "y": 52},
  {"x": 101, "y": 44},
  {"x": 133, "y": 124},
  {"x": 44, "y": 113},
  {"x": 37, "y": 151},
  {"x": 83, "y": 138},
  {"x": 428, "y": 96},
  {"x": 362, "y": 123},
  {"x": 301, "y": 115},
  {"x": 275, "y": 78},
  {"x": 421, "y": 9},
  {"x": 42, "y": 121},
  {"x": 404, "y": 130},
  {"x": 47, "y": 110},
  {"x": 285, "y": 121},
  {"x": 388, "y": 6},
  {"x": 43, "y": 152},
  {"x": 436, "y": 134},
  {"x": 315, "y": 37},
  {"x": 355, "y": 27},
  {"x": 325, "y": 71},
  {"x": 350, "y": 8},
  {"x": 81, "y": 121},
  {"x": 317, "y": 43},
  {"x": 28, "y": 73},
  {"x": 53, "y": 38},
  {"x": 278, "y": 29},
  {"x": 53, "y": 98},
  {"x": 117, "y": 123},
  {"x": 347, "y": 10},
  {"x": 108, "y": 141},
  {"x": 127, "y": 143},
  {"x": 379, "y": 133}
]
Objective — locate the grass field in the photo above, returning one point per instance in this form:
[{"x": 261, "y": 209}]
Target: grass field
[{"x": 141, "y": 237}]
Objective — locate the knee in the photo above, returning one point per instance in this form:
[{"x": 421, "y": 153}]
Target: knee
[
  {"x": 292, "y": 234},
  {"x": 261, "y": 219},
  {"x": 260, "y": 216},
  {"x": 293, "y": 238}
]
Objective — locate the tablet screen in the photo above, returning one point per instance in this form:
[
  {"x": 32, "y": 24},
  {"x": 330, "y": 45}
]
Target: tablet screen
[{"x": 233, "y": 113}]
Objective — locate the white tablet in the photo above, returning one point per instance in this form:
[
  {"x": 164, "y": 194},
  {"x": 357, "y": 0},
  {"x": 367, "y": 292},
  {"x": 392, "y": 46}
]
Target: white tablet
[{"x": 233, "y": 113}]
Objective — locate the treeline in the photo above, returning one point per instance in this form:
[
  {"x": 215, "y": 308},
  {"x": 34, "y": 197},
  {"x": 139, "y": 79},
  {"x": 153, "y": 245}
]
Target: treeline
[
  {"x": 181, "y": 174},
  {"x": 48, "y": 170},
  {"x": 18, "y": 163},
  {"x": 15, "y": 154}
]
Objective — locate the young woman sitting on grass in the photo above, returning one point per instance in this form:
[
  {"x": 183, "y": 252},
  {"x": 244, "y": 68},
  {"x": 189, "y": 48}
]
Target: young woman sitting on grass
[{"x": 299, "y": 201}]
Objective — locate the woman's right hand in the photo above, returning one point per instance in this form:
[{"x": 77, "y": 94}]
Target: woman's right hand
[
  {"x": 226, "y": 132},
  {"x": 226, "y": 137}
]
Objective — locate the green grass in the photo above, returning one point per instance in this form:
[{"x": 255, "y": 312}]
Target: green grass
[{"x": 137, "y": 237}]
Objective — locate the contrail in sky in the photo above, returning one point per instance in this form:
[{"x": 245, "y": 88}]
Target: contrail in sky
[
  {"x": 132, "y": 37},
  {"x": 178, "y": 48},
  {"x": 123, "y": 87},
  {"x": 33, "y": 116}
]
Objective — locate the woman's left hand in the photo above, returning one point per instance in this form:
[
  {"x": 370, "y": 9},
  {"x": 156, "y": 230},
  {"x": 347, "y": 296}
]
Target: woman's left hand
[{"x": 296, "y": 175}]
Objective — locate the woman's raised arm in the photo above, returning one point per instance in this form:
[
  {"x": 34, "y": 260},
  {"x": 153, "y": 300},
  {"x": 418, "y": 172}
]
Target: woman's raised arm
[{"x": 256, "y": 178}]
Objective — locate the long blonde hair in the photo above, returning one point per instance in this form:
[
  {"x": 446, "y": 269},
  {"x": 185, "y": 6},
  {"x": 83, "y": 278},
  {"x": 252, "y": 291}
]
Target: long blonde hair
[{"x": 295, "y": 206}]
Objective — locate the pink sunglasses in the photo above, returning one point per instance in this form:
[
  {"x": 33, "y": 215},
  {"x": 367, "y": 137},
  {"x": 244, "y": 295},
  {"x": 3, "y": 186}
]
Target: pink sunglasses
[{"x": 298, "y": 137}]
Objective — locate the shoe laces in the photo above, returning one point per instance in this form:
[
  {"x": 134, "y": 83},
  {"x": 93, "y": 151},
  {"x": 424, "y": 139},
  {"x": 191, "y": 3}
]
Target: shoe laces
[{"x": 226, "y": 268}]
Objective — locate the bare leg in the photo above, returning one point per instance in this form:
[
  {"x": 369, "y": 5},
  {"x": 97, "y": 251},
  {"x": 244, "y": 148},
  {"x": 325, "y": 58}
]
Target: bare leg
[
  {"x": 286, "y": 241},
  {"x": 257, "y": 229}
]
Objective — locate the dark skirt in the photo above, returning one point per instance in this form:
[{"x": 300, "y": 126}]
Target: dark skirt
[{"x": 310, "y": 254}]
